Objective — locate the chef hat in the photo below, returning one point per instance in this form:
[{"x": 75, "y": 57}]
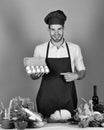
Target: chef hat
[{"x": 55, "y": 17}]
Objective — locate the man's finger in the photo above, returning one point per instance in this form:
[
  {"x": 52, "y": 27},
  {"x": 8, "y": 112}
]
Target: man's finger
[{"x": 64, "y": 73}]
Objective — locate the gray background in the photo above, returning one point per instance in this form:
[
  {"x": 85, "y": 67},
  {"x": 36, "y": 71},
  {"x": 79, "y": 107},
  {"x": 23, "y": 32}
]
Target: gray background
[{"x": 22, "y": 28}]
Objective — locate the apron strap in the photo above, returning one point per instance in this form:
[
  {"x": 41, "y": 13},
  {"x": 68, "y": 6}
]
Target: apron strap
[
  {"x": 68, "y": 55},
  {"x": 67, "y": 49},
  {"x": 47, "y": 50}
]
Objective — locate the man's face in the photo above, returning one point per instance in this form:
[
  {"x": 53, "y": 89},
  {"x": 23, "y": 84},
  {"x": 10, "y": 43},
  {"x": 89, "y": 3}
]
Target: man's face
[{"x": 56, "y": 32}]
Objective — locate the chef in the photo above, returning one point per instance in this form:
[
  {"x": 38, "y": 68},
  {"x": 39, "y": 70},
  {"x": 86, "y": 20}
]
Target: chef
[{"x": 65, "y": 62}]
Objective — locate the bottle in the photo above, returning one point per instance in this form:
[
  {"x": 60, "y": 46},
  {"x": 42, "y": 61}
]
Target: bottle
[{"x": 95, "y": 97}]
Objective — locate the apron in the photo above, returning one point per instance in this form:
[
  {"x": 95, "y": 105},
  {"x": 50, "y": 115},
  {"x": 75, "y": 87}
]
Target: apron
[{"x": 55, "y": 93}]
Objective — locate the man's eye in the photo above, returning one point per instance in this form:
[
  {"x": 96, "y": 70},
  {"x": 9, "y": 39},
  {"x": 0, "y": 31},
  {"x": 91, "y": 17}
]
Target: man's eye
[
  {"x": 52, "y": 29},
  {"x": 60, "y": 29}
]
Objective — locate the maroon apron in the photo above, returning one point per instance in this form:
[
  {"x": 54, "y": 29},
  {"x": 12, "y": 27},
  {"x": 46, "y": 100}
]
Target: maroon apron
[{"x": 55, "y": 93}]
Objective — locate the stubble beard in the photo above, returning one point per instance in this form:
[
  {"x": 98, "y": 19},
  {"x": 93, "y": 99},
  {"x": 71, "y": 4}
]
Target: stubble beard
[{"x": 57, "y": 39}]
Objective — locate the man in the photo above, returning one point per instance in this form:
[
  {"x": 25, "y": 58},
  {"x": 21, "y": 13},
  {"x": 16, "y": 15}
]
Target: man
[{"x": 64, "y": 59}]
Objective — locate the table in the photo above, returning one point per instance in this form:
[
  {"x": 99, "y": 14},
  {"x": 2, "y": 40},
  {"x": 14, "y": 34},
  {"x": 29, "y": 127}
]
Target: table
[{"x": 61, "y": 126}]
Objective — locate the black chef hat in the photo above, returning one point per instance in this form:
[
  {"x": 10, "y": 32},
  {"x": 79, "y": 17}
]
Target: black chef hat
[{"x": 55, "y": 17}]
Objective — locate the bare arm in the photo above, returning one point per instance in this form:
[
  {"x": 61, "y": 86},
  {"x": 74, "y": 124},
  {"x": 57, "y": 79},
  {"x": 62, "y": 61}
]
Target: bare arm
[
  {"x": 81, "y": 74},
  {"x": 69, "y": 76}
]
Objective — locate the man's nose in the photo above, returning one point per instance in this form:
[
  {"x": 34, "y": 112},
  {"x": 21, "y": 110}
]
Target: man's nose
[{"x": 56, "y": 32}]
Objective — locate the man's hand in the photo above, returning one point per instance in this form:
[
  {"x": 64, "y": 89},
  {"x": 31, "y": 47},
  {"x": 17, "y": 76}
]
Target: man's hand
[
  {"x": 70, "y": 76},
  {"x": 36, "y": 75}
]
